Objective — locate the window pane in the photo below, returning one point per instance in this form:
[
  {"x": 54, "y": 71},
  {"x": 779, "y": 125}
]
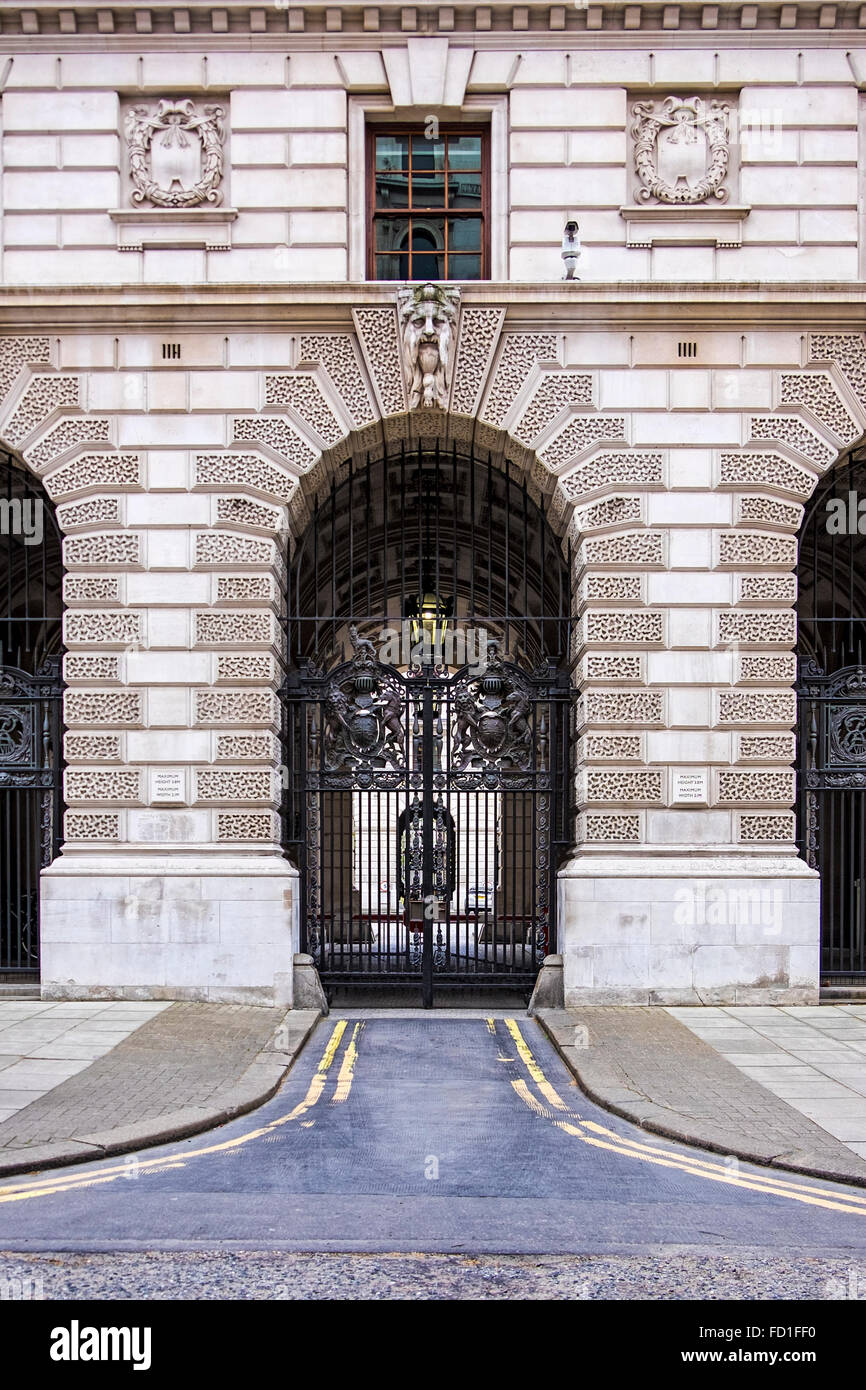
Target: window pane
[
  {"x": 392, "y": 152},
  {"x": 392, "y": 267},
  {"x": 427, "y": 266},
  {"x": 392, "y": 190},
  {"x": 464, "y": 190},
  {"x": 464, "y": 267},
  {"x": 427, "y": 154},
  {"x": 464, "y": 234},
  {"x": 428, "y": 234},
  {"x": 392, "y": 233},
  {"x": 428, "y": 190},
  {"x": 416, "y": 182},
  {"x": 464, "y": 152}
]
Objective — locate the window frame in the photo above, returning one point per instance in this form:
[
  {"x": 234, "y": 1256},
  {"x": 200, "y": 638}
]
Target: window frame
[{"x": 413, "y": 128}]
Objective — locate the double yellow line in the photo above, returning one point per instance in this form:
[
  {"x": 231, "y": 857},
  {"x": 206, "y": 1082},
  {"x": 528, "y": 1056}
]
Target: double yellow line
[
  {"x": 68, "y": 1182},
  {"x": 588, "y": 1132}
]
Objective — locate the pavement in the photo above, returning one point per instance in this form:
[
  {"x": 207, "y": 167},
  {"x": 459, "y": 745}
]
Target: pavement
[{"x": 82, "y": 1080}]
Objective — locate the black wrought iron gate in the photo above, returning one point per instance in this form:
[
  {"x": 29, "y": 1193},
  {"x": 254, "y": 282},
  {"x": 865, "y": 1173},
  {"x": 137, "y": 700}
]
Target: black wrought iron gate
[
  {"x": 831, "y": 808},
  {"x": 30, "y": 810},
  {"x": 432, "y": 820},
  {"x": 427, "y": 721},
  {"x": 30, "y": 710}
]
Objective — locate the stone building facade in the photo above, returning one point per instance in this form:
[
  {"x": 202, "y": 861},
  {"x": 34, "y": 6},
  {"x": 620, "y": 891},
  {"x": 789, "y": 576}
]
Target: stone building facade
[{"x": 192, "y": 350}]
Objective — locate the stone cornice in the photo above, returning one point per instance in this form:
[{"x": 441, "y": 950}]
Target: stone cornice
[
  {"x": 535, "y": 24},
  {"x": 561, "y": 306}
]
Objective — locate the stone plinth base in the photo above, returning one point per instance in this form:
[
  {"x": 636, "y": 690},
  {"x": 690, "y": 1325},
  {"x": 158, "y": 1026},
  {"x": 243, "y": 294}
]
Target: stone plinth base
[
  {"x": 219, "y": 928},
  {"x": 676, "y": 929}
]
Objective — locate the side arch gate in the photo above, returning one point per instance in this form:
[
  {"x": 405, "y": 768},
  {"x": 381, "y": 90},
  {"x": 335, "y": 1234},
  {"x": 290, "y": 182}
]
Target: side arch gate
[
  {"x": 831, "y": 691},
  {"x": 31, "y": 690}
]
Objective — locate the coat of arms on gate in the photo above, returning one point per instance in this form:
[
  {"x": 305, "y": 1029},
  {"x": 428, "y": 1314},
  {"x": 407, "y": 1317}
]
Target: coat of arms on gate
[
  {"x": 492, "y": 724},
  {"x": 176, "y": 153},
  {"x": 363, "y": 709},
  {"x": 681, "y": 150},
  {"x": 14, "y": 734},
  {"x": 848, "y": 733}
]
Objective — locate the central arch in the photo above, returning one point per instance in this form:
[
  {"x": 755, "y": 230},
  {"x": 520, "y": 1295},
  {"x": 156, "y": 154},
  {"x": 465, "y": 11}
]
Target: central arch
[{"x": 428, "y": 622}]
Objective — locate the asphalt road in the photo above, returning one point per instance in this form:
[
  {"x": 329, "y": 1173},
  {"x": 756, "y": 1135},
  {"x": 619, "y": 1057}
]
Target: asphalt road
[{"x": 432, "y": 1134}]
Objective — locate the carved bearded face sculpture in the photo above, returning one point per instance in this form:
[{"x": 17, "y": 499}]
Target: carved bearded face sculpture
[{"x": 427, "y": 315}]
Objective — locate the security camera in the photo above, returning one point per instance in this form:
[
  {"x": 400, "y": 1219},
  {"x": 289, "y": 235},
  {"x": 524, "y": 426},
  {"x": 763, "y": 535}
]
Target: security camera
[{"x": 571, "y": 250}]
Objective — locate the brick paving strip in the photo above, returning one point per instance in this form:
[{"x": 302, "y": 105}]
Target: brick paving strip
[
  {"x": 191, "y": 1067},
  {"x": 646, "y": 1066}
]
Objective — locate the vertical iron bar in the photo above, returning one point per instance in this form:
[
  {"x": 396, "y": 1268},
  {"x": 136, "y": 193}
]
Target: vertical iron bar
[
  {"x": 524, "y": 636},
  {"x": 454, "y": 552},
  {"x": 472, "y": 539},
  {"x": 316, "y": 576},
  {"x": 427, "y": 870},
  {"x": 385, "y": 558},
  {"x": 334, "y": 562},
  {"x": 350, "y": 514},
  {"x": 507, "y": 550},
  {"x": 402, "y": 538},
  {"x": 368, "y": 527}
]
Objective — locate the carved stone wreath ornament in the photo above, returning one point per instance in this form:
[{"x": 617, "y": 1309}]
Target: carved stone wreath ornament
[
  {"x": 176, "y": 154},
  {"x": 681, "y": 150}
]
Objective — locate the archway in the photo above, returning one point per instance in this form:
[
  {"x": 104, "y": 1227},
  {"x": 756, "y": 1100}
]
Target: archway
[
  {"x": 831, "y": 610},
  {"x": 30, "y": 709},
  {"x": 427, "y": 728}
]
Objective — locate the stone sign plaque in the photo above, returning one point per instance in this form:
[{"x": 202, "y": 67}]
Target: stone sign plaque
[
  {"x": 689, "y": 786},
  {"x": 166, "y": 786}
]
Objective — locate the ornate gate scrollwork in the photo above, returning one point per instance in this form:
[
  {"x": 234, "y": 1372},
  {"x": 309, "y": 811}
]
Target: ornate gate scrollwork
[
  {"x": 31, "y": 751},
  {"x": 831, "y": 694},
  {"x": 492, "y": 730},
  {"x": 364, "y": 728}
]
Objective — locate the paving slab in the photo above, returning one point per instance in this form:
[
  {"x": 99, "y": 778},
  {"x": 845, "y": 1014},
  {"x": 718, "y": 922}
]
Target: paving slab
[
  {"x": 42, "y": 1042},
  {"x": 819, "y": 1068},
  {"x": 645, "y": 1064}
]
